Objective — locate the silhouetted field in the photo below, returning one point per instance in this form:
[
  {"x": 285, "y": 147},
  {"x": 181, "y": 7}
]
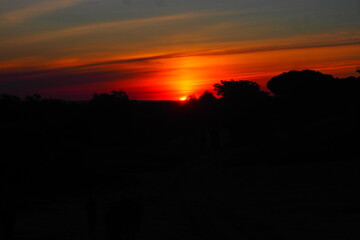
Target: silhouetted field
[{"x": 245, "y": 166}]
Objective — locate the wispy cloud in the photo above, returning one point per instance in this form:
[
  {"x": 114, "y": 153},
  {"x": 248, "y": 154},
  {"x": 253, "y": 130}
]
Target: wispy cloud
[
  {"x": 139, "y": 75},
  {"x": 262, "y": 46},
  {"x": 281, "y": 48},
  {"x": 230, "y": 51},
  {"x": 35, "y": 10},
  {"x": 121, "y": 24}
]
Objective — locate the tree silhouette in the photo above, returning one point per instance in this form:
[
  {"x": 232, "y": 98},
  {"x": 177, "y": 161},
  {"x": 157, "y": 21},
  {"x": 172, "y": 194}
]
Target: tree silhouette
[
  {"x": 115, "y": 98},
  {"x": 238, "y": 90},
  {"x": 191, "y": 98},
  {"x": 347, "y": 89},
  {"x": 120, "y": 96},
  {"x": 33, "y": 98},
  {"x": 9, "y": 99},
  {"x": 207, "y": 97},
  {"x": 306, "y": 83}
]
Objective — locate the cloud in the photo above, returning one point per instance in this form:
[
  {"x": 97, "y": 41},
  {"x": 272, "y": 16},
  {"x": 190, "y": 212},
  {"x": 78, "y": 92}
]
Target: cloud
[
  {"x": 121, "y": 24},
  {"x": 280, "y": 48},
  {"x": 35, "y": 10},
  {"x": 273, "y": 45},
  {"x": 33, "y": 81},
  {"x": 231, "y": 51},
  {"x": 139, "y": 71}
]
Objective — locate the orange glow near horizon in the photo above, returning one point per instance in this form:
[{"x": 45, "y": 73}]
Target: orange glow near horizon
[
  {"x": 168, "y": 78},
  {"x": 158, "y": 51},
  {"x": 184, "y": 77}
]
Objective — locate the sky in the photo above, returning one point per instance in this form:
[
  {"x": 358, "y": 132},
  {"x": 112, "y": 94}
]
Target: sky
[{"x": 167, "y": 49}]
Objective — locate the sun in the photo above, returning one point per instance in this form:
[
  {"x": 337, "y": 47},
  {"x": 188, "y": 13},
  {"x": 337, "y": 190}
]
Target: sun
[{"x": 183, "y": 98}]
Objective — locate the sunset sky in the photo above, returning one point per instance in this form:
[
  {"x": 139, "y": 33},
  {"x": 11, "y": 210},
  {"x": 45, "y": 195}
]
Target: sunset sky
[{"x": 166, "y": 49}]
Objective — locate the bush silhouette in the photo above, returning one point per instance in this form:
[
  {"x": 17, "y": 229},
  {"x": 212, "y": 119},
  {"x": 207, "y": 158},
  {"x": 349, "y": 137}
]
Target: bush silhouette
[
  {"x": 306, "y": 83},
  {"x": 238, "y": 90},
  {"x": 116, "y": 97},
  {"x": 207, "y": 97}
]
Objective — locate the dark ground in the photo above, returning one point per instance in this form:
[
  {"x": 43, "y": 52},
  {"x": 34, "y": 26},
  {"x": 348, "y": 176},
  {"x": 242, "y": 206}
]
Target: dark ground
[
  {"x": 167, "y": 171},
  {"x": 213, "y": 196}
]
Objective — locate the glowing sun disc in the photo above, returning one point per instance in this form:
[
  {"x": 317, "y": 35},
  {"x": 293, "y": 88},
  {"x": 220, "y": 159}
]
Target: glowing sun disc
[{"x": 184, "y": 98}]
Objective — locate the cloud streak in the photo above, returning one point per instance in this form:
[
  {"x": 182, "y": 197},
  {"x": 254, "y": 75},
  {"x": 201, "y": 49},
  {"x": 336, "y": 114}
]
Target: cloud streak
[
  {"x": 121, "y": 24},
  {"x": 215, "y": 52},
  {"x": 140, "y": 71},
  {"x": 14, "y": 75},
  {"x": 277, "y": 45},
  {"x": 38, "y": 9},
  {"x": 35, "y": 81}
]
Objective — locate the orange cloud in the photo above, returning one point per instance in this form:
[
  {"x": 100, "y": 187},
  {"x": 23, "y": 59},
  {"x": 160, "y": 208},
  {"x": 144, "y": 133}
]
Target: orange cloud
[{"x": 170, "y": 76}]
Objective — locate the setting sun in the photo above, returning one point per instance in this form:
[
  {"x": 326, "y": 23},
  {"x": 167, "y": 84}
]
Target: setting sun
[
  {"x": 184, "y": 98},
  {"x": 163, "y": 50}
]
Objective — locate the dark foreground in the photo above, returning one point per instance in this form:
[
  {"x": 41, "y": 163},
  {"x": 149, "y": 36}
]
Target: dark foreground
[
  {"x": 265, "y": 168},
  {"x": 221, "y": 194}
]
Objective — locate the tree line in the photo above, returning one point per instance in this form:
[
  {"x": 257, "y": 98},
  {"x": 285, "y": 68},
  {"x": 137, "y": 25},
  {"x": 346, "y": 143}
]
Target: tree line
[
  {"x": 305, "y": 85},
  {"x": 251, "y": 115}
]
